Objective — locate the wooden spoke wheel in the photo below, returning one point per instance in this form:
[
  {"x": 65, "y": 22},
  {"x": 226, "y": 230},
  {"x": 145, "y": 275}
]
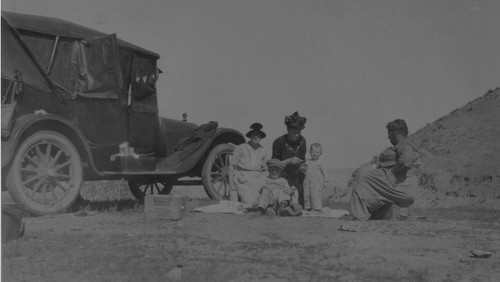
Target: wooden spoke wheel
[
  {"x": 141, "y": 189},
  {"x": 216, "y": 174},
  {"x": 46, "y": 173}
]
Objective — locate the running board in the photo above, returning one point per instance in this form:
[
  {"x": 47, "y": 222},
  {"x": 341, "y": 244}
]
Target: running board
[
  {"x": 147, "y": 172},
  {"x": 188, "y": 182}
]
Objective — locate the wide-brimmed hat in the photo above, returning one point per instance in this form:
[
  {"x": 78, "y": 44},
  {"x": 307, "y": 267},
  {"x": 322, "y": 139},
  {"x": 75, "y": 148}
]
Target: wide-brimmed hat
[
  {"x": 256, "y": 128},
  {"x": 275, "y": 163},
  {"x": 295, "y": 121}
]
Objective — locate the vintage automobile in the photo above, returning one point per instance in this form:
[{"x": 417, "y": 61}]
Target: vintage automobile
[{"x": 80, "y": 105}]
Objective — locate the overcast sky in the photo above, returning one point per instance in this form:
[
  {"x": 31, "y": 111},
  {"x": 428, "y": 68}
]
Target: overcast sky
[{"x": 348, "y": 66}]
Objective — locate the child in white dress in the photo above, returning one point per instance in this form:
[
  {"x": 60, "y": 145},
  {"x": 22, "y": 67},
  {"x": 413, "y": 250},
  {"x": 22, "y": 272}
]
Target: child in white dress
[{"x": 314, "y": 181}]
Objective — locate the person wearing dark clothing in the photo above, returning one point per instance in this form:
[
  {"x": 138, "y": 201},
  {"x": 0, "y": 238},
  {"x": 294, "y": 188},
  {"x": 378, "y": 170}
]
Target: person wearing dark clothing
[{"x": 291, "y": 149}]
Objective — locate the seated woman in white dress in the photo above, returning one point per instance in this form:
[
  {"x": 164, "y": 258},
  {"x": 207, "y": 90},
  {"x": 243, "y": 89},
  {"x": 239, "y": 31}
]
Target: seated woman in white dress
[{"x": 249, "y": 160}]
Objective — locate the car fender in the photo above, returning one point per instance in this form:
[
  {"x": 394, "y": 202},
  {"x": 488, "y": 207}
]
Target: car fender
[
  {"x": 31, "y": 123},
  {"x": 221, "y": 136},
  {"x": 192, "y": 164}
]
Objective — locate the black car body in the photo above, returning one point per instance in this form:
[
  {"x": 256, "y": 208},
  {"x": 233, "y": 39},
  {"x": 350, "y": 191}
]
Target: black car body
[{"x": 80, "y": 105}]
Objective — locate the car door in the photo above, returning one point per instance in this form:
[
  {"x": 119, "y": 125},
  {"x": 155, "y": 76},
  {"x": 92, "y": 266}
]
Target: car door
[
  {"x": 101, "y": 113},
  {"x": 143, "y": 127}
]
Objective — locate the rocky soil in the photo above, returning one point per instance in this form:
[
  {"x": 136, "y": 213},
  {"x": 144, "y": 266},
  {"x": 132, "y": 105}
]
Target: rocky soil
[{"x": 127, "y": 246}]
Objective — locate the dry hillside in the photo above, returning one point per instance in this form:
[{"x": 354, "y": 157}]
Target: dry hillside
[
  {"x": 460, "y": 158},
  {"x": 461, "y": 153}
]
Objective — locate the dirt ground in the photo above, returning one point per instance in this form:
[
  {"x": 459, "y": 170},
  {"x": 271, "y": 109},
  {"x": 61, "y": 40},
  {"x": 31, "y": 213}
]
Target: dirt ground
[{"x": 125, "y": 246}]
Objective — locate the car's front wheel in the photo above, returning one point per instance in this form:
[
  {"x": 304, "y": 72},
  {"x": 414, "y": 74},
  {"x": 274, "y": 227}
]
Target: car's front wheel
[
  {"x": 46, "y": 173},
  {"x": 216, "y": 172}
]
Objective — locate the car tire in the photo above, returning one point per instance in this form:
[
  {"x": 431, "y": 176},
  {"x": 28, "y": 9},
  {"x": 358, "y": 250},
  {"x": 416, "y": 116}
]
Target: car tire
[
  {"x": 141, "y": 189},
  {"x": 46, "y": 173},
  {"x": 215, "y": 174}
]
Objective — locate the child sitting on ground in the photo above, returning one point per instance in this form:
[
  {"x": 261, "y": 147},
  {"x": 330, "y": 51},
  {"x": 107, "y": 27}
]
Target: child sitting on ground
[
  {"x": 314, "y": 181},
  {"x": 276, "y": 195}
]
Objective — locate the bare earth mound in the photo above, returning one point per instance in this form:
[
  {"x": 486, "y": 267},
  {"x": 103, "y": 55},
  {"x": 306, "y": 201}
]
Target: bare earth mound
[
  {"x": 461, "y": 155},
  {"x": 460, "y": 159}
]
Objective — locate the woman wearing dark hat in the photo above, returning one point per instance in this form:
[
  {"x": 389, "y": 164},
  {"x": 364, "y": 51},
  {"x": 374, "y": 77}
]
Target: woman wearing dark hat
[
  {"x": 392, "y": 181},
  {"x": 291, "y": 150},
  {"x": 250, "y": 160}
]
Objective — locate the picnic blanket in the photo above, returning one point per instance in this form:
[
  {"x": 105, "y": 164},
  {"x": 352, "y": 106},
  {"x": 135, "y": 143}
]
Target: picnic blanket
[
  {"x": 224, "y": 207},
  {"x": 325, "y": 212},
  {"x": 241, "y": 208}
]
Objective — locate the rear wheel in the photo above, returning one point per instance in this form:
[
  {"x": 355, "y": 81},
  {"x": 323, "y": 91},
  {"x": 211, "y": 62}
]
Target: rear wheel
[
  {"x": 141, "y": 189},
  {"x": 216, "y": 172},
  {"x": 46, "y": 173}
]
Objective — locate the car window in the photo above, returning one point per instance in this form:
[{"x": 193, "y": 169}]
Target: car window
[
  {"x": 96, "y": 68},
  {"x": 145, "y": 74}
]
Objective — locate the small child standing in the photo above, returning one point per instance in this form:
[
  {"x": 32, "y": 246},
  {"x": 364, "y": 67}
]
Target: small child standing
[
  {"x": 276, "y": 194},
  {"x": 314, "y": 181}
]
